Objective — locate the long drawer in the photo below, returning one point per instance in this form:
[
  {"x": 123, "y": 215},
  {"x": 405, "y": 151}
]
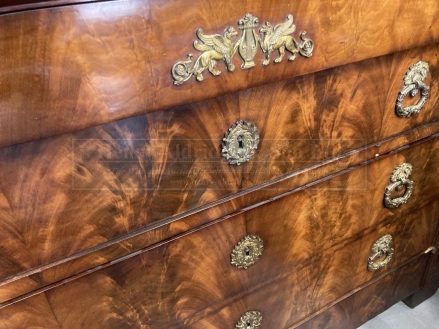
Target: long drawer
[
  {"x": 339, "y": 273},
  {"x": 356, "y": 309},
  {"x": 193, "y": 274},
  {"x": 64, "y": 195},
  {"x": 72, "y": 67},
  {"x": 165, "y": 289}
]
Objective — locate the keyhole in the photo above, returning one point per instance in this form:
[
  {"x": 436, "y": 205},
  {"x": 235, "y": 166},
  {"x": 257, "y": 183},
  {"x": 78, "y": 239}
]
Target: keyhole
[
  {"x": 247, "y": 251},
  {"x": 241, "y": 141},
  {"x": 249, "y": 324}
]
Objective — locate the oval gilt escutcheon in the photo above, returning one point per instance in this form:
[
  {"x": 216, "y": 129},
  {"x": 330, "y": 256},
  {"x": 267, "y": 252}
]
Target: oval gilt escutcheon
[
  {"x": 247, "y": 252},
  {"x": 250, "y": 320},
  {"x": 240, "y": 142}
]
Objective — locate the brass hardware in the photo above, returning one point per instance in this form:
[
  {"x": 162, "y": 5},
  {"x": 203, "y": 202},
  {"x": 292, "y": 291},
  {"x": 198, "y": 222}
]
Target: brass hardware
[
  {"x": 218, "y": 47},
  {"x": 278, "y": 38},
  {"x": 432, "y": 249},
  {"x": 248, "y": 45},
  {"x": 240, "y": 142},
  {"x": 399, "y": 179},
  {"x": 214, "y": 47},
  {"x": 413, "y": 83},
  {"x": 250, "y": 320},
  {"x": 380, "y": 249},
  {"x": 247, "y": 252}
]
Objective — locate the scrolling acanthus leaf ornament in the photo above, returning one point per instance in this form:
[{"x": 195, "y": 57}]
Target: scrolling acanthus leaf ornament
[{"x": 222, "y": 48}]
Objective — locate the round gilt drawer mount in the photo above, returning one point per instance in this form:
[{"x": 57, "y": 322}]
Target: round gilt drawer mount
[
  {"x": 399, "y": 180},
  {"x": 413, "y": 84},
  {"x": 240, "y": 142},
  {"x": 247, "y": 252},
  {"x": 381, "y": 253},
  {"x": 250, "y": 320}
]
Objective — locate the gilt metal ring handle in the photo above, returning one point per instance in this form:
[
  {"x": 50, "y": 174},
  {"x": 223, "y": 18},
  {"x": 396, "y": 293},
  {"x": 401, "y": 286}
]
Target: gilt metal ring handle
[
  {"x": 398, "y": 180},
  {"x": 380, "y": 249},
  {"x": 413, "y": 83}
]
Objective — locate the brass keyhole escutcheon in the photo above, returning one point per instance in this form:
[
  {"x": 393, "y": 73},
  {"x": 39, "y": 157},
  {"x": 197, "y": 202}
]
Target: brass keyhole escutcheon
[
  {"x": 250, "y": 320},
  {"x": 247, "y": 252},
  {"x": 240, "y": 142}
]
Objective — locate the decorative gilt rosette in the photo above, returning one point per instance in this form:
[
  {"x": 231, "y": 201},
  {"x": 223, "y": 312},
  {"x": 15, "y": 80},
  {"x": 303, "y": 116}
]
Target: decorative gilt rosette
[{"x": 240, "y": 142}]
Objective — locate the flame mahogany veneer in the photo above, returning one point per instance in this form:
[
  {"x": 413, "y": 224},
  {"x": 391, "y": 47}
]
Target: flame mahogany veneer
[
  {"x": 117, "y": 209},
  {"x": 76, "y": 66}
]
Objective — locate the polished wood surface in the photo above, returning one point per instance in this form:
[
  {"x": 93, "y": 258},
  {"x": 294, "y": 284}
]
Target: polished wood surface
[
  {"x": 326, "y": 213},
  {"x": 68, "y": 68},
  {"x": 358, "y": 308},
  {"x": 191, "y": 284},
  {"x": 13, "y": 6},
  {"x": 118, "y": 211},
  {"x": 349, "y": 313},
  {"x": 9, "y": 3},
  {"x": 80, "y": 263},
  {"x": 137, "y": 171},
  {"x": 430, "y": 284}
]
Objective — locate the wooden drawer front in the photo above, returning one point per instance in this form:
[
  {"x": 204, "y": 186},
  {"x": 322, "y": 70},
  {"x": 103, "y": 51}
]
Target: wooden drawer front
[
  {"x": 72, "y": 67},
  {"x": 352, "y": 312},
  {"x": 296, "y": 227},
  {"x": 11, "y": 5},
  {"x": 66, "y": 194},
  {"x": 327, "y": 228},
  {"x": 189, "y": 283},
  {"x": 288, "y": 302},
  {"x": 430, "y": 284}
]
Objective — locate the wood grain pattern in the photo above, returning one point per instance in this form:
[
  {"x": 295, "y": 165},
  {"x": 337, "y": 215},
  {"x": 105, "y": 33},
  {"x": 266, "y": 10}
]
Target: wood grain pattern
[
  {"x": 7, "y": 3},
  {"x": 77, "y": 263},
  {"x": 37, "y": 305},
  {"x": 429, "y": 286},
  {"x": 131, "y": 223},
  {"x": 138, "y": 171},
  {"x": 430, "y": 283},
  {"x": 191, "y": 284},
  {"x": 11, "y": 6},
  {"x": 326, "y": 213},
  {"x": 357, "y": 309},
  {"x": 68, "y": 68}
]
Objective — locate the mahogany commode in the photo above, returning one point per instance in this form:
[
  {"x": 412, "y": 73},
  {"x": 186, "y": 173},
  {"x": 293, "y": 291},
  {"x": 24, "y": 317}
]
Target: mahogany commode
[{"x": 142, "y": 187}]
